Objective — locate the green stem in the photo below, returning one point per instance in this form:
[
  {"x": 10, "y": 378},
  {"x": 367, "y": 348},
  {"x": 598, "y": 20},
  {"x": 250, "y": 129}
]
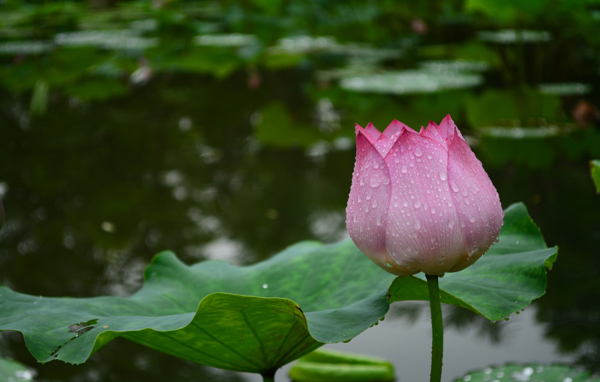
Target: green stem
[
  {"x": 269, "y": 376},
  {"x": 437, "y": 326}
]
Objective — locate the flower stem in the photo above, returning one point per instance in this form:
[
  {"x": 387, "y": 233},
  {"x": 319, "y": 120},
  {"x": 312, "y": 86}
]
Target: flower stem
[
  {"x": 437, "y": 326},
  {"x": 269, "y": 376}
]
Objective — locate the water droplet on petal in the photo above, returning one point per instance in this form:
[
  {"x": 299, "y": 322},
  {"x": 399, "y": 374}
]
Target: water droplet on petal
[
  {"x": 418, "y": 152},
  {"x": 375, "y": 181},
  {"x": 417, "y": 224},
  {"x": 417, "y": 204},
  {"x": 404, "y": 170},
  {"x": 443, "y": 176},
  {"x": 450, "y": 224},
  {"x": 454, "y": 186}
]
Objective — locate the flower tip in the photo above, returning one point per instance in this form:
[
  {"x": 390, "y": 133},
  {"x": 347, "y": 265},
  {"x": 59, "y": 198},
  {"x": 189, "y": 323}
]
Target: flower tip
[
  {"x": 357, "y": 128},
  {"x": 372, "y": 130}
]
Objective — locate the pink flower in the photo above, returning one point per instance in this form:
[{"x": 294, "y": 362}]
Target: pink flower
[{"x": 421, "y": 201}]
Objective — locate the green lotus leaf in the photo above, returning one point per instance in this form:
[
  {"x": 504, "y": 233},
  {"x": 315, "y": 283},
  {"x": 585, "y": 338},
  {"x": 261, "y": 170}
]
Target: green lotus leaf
[
  {"x": 331, "y": 366},
  {"x": 595, "y": 168},
  {"x": 252, "y": 319},
  {"x": 503, "y": 281},
  {"x": 261, "y": 317},
  {"x": 530, "y": 373}
]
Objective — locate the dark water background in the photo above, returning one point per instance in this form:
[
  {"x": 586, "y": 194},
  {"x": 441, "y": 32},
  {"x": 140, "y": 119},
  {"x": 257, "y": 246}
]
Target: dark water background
[{"x": 224, "y": 130}]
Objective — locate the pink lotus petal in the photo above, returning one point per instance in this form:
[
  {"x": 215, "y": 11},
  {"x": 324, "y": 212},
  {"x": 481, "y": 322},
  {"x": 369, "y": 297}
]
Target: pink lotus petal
[
  {"x": 432, "y": 132},
  {"x": 477, "y": 202},
  {"x": 372, "y": 130},
  {"x": 366, "y": 213},
  {"x": 394, "y": 128},
  {"x": 422, "y": 216}
]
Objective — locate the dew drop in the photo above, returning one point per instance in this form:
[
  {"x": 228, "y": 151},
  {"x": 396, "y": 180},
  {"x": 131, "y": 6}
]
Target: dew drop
[
  {"x": 433, "y": 210},
  {"x": 265, "y": 286},
  {"x": 418, "y": 152},
  {"x": 454, "y": 186},
  {"x": 450, "y": 224},
  {"x": 443, "y": 176},
  {"x": 404, "y": 170},
  {"x": 405, "y": 203},
  {"x": 417, "y": 204},
  {"x": 472, "y": 219},
  {"x": 417, "y": 224}
]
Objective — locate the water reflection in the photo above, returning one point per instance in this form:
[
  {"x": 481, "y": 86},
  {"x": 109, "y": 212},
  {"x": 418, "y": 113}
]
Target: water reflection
[{"x": 455, "y": 318}]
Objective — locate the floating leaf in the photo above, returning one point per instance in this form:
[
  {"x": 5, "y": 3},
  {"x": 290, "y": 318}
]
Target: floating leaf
[
  {"x": 331, "y": 366},
  {"x": 503, "y": 281},
  {"x": 530, "y": 373},
  {"x": 332, "y": 293},
  {"x": 595, "y": 168}
]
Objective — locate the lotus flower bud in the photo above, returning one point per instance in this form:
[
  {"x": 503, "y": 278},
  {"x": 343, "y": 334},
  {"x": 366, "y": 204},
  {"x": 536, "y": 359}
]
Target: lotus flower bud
[{"x": 421, "y": 202}]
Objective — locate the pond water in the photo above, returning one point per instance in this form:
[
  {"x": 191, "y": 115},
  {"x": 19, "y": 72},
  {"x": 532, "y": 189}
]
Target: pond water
[{"x": 226, "y": 131}]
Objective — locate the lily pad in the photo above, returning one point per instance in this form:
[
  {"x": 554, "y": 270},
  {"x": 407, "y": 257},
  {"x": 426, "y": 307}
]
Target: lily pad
[
  {"x": 595, "y": 168},
  {"x": 214, "y": 313},
  {"x": 530, "y": 373},
  {"x": 503, "y": 281}
]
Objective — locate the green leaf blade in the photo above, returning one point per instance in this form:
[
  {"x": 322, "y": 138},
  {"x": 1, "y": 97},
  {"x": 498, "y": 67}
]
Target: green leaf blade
[
  {"x": 237, "y": 318},
  {"x": 594, "y": 168}
]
